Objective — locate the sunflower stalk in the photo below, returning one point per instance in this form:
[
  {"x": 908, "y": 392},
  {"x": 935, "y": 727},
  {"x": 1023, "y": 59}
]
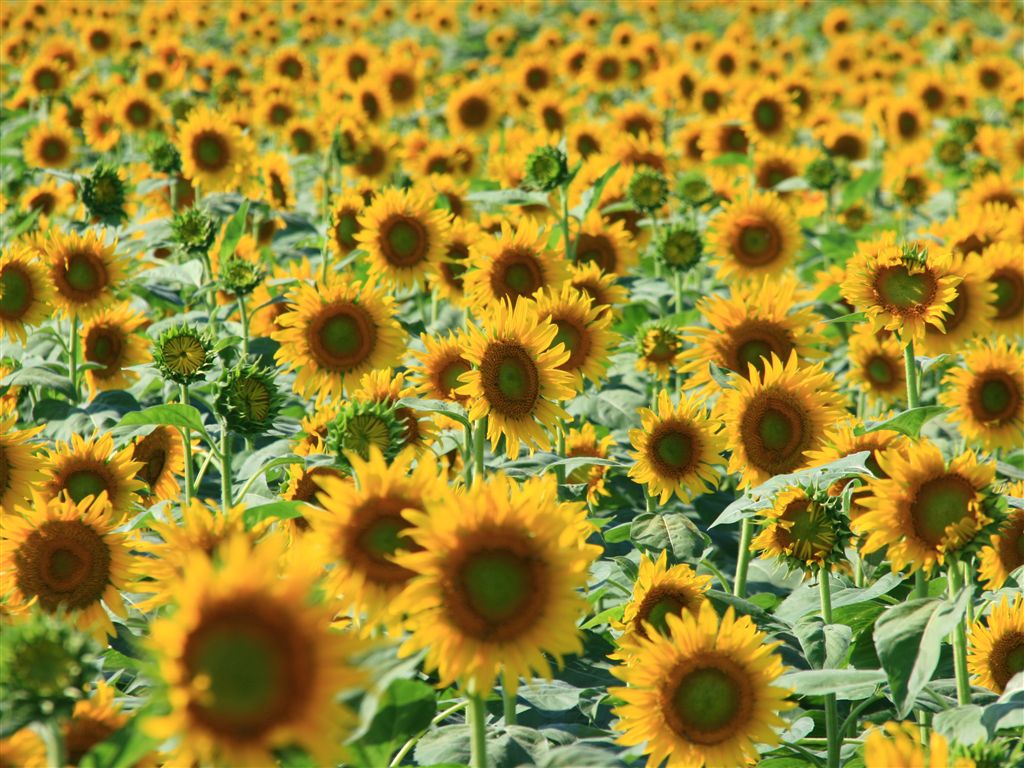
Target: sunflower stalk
[
  {"x": 186, "y": 435},
  {"x": 739, "y": 588},
  {"x": 476, "y": 717},
  {"x": 73, "y": 360},
  {"x": 225, "y": 468},
  {"x": 832, "y": 729},
  {"x": 508, "y": 703},
  {"x": 467, "y": 456},
  {"x": 910, "y": 364},
  {"x": 959, "y": 637},
  {"x": 53, "y": 738},
  {"x": 478, "y": 448},
  {"x": 243, "y": 312},
  {"x": 566, "y": 236}
]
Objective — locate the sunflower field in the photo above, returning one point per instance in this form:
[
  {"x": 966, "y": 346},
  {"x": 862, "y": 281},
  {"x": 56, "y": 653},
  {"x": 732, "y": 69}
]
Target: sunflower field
[{"x": 482, "y": 383}]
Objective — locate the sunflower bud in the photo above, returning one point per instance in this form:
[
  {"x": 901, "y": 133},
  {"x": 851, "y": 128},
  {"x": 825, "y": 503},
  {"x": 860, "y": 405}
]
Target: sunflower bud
[
  {"x": 193, "y": 230},
  {"x": 989, "y": 754},
  {"x": 822, "y": 173},
  {"x": 183, "y": 354},
  {"x": 104, "y": 195},
  {"x": 164, "y": 157},
  {"x": 964, "y": 128},
  {"x": 361, "y": 425},
  {"x": 240, "y": 277},
  {"x": 248, "y": 399},
  {"x": 679, "y": 247},
  {"x": 45, "y": 666},
  {"x": 694, "y": 189},
  {"x": 648, "y": 190},
  {"x": 949, "y": 151},
  {"x": 546, "y": 169}
]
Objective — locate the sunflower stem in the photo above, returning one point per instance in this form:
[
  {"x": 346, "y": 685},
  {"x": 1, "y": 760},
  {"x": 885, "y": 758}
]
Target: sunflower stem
[
  {"x": 832, "y": 730},
  {"x": 963, "y": 685},
  {"x": 225, "y": 468},
  {"x": 739, "y": 587},
  {"x": 508, "y": 703},
  {"x": 476, "y": 717},
  {"x": 677, "y": 279},
  {"x": 920, "y": 585},
  {"x": 467, "y": 456},
  {"x": 186, "y": 435},
  {"x": 53, "y": 738},
  {"x": 910, "y": 363},
  {"x": 439, "y": 718},
  {"x": 73, "y": 359},
  {"x": 478, "y": 448},
  {"x": 433, "y": 306},
  {"x": 566, "y": 236},
  {"x": 245, "y": 326}
]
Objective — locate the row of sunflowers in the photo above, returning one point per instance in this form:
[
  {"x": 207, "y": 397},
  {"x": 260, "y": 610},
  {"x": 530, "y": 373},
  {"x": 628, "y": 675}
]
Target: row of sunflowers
[{"x": 482, "y": 383}]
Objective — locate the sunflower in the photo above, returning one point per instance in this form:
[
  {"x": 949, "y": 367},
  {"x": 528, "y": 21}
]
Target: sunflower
[
  {"x": 304, "y": 485},
  {"x": 201, "y": 529},
  {"x": 677, "y": 449},
  {"x": 162, "y": 456},
  {"x": 137, "y": 110},
  {"x": 441, "y": 365},
  {"x": 449, "y": 277},
  {"x": 659, "y": 348},
  {"x": 360, "y": 528},
  {"x": 986, "y": 393},
  {"x": 702, "y": 693},
  {"x": 403, "y": 235},
  {"x": 335, "y": 333},
  {"x": 845, "y": 140},
  {"x": 24, "y": 748},
  {"x": 606, "y": 244},
  {"x": 517, "y": 380},
  {"x": 312, "y": 436},
  {"x": 473, "y": 108},
  {"x": 774, "y": 417},
  {"x": 49, "y": 145},
  {"x": 387, "y": 387},
  {"x": 583, "y": 330},
  {"x": 1004, "y": 260},
  {"x": 600, "y": 286},
  {"x": 876, "y": 367},
  {"x": 215, "y": 155},
  {"x": 498, "y": 572},
  {"x": 84, "y": 271},
  {"x": 109, "y": 340},
  {"x": 84, "y": 468},
  {"x": 19, "y": 466},
  {"x": 25, "y": 294},
  {"x": 901, "y": 288},
  {"x": 771, "y": 111},
  {"x": 92, "y": 721},
  {"x": 1005, "y": 551},
  {"x": 996, "y": 645},
  {"x": 970, "y": 311},
  {"x": 251, "y": 663},
  {"x": 753, "y": 236},
  {"x": 61, "y": 555},
  {"x": 895, "y": 745},
  {"x": 513, "y": 266},
  {"x": 756, "y": 321},
  {"x": 800, "y": 530},
  {"x": 659, "y": 591},
  {"x": 48, "y": 198},
  {"x": 993, "y": 188},
  {"x": 924, "y": 511},
  {"x": 268, "y": 296},
  {"x": 345, "y": 224}
]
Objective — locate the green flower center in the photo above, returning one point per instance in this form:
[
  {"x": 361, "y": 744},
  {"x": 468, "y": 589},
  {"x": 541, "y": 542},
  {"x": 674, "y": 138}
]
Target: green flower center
[
  {"x": 53, "y": 149},
  {"x": 82, "y": 273},
  {"x": 510, "y": 379},
  {"x": 450, "y": 376},
  {"x": 15, "y": 292},
  {"x": 47, "y": 80},
  {"x": 674, "y": 449},
  {"x": 210, "y": 151},
  {"x": 995, "y": 397},
  {"x": 406, "y": 242},
  {"x": 497, "y": 584},
  {"x": 706, "y": 701},
  {"x": 775, "y": 430},
  {"x": 383, "y": 537},
  {"x": 103, "y": 345},
  {"x": 940, "y": 503},
  {"x": 900, "y": 289},
  {"x": 1009, "y": 293},
  {"x": 84, "y": 483},
  {"x": 659, "y": 603},
  {"x": 880, "y": 370},
  {"x": 139, "y": 113},
  {"x": 753, "y": 352},
  {"x": 767, "y": 115}
]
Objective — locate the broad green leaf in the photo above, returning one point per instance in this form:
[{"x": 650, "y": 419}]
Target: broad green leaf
[
  {"x": 233, "y": 232},
  {"x": 804, "y": 599},
  {"x": 172, "y": 414},
  {"x": 732, "y": 158},
  {"x": 907, "y": 422},
  {"x": 962, "y": 724},
  {"x": 908, "y": 638},
  {"x": 51, "y": 375},
  {"x": 846, "y": 684},
  {"x": 451, "y": 410},
  {"x": 824, "y": 645},
  {"x": 551, "y": 695},
  {"x": 592, "y": 195},
  {"x": 501, "y": 197},
  {"x": 403, "y": 711},
  {"x": 282, "y": 510},
  {"x": 618, "y": 533},
  {"x": 604, "y": 617},
  {"x": 853, "y": 317},
  {"x": 671, "y": 531}
]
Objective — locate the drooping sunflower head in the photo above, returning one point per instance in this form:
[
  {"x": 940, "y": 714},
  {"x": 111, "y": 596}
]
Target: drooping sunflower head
[
  {"x": 364, "y": 425},
  {"x": 25, "y": 293},
  {"x": 183, "y": 354},
  {"x": 702, "y": 693},
  {"x": 773, "y": 418},
  {"x": 677, "y": 450},
  {"x": 926, "y": 510},
  {"x": 248, "y": 398},
  {"x": 512, "y": 267},
  {"x": 583, "y": 330},
  {"x": 901, "y": 287},
  {"x": 104, "y": 194},
  {"x": 386, "y": 386},
  {"x": 805, "y": 529},
  {"x": 753, "y": 236},
  {"x": 996, "y": 645},
  {"x": 90, "y": 468},
  {"x": 496, "y": 579},
  {"x": 162, "y": 456},
  {"x": 604, "y": 244},
  {"x": 84, "y": 270},
  {"x": 61, "y": 554},
  {"x": 251, "y": 661}
]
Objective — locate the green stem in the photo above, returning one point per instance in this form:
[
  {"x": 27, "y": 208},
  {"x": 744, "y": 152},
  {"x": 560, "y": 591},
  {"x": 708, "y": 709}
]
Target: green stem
[
  {"x": 832, "y": 730},
  {"x": 53, "y": 738},
  {"x": 963, "y": 684},
  {"x": 186, "y": 435},
  {"x": 433, "y": 306},
  {"x": 677, "y": 278},
  {"x": 245, "y": 326},
  {"x": 73, "y": 360},
  {"x": 566, "y": 236},
  {"x": 743, "y": 562},
  {"x": 225, "y": 468},
  {"x": 477, "y": 719},
  {"x": 717, "y": 573},
  {"x": 210, "y": 455},
  {"x": 920, "y": 585},
  {"x": 850, "y": 723},
  {"x": 467, "y": 455},
  {"x": 478, "y": 448},
  {"x": 508, "y": 702},
  {"x": 439, "y": 718},
  {"x": 910, "y": 364}
]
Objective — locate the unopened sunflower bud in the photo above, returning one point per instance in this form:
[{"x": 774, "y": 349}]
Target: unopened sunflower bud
[{"x": 546, "y": 169}]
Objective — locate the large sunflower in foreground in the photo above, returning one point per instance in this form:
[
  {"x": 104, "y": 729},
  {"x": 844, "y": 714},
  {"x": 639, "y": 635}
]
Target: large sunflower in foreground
[
  {"x": 900, "y": 287},
  {"x": 20, "y": 467},
  {"x": 986, "y": 393},
  {"x": 25, "y": 748},
  {"x": 360, "y": 528},
  {"x": 513, "y": 266},
  {"x": 677, "y": 447},
  {"x": 25, "y": 293},
  {"x": 251, "y": 663},
  {"x": 773, "y": 418},
  {"x": 517, "y": 380},
  {"x": 84, "y": 468},
  {"x": 583, "y": 329},
  {"x": 753, "y": 236},
  {"x": 62, "y": 554},
  {"x": 499, "y": 571},
  {"x": 215, "y": 155},
  {"x": 660, "y": 590},
  {"x": 403, "y": 235},
  {"x": 334, "y": 334},
  {"x": 84, "y": 270},
  {"x": 996, "y": 645},
  {"x": 748, "y": 326},
  {"x": 703, "y": 693},
  {"x": 925, "y": 511}
]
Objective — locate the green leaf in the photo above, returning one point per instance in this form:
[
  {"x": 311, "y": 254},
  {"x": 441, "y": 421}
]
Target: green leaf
[
  {"x": 908, "y": 638},
  {"x": 907, "y": 422},
  {"x": 188, "y": 273},
  {"x": 172, "y": 414},
  {"x": 846, "y": 684},
  {"x": 233, "y": 232},
  {"x": 732, "y": 158},
  {"x": 962, "y": 724},
  {"x": 451, "y": 410},
  {"x": 501, "y": 197},
  {"x": 123, "y": 749},
  {"x": 853, "y": 317},
  {"x": 824, "y": 645},
  {"x": 403, "y": 711},
  {"x": 604, "y": 617},
  {"x": 282, "y": 510},
  {"x": 592, "y": 195},
  {"x": 51, "y": 375},
  {"x": 672, "y": 531},
  {"x": 618, "y": 533},
  {"x": 551, "y": 695},
  {"x": 861, "y": 187},
  {"x": 720, "y": 375},
  {"x": 805, "y": 599}
]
